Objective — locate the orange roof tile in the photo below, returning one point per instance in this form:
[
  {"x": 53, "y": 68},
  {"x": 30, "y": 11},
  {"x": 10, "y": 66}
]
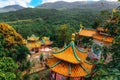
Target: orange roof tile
[
  {"x": 69, "y": 70},
  {"x": 104, "y": 38},
  {"x": 88, "y": 33},
  {"x": 71, "y": 54}
]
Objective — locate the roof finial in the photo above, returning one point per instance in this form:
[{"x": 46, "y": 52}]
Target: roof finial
[
  {"x": 81, "y": 26},
  {"x": 73, "y": 37}
]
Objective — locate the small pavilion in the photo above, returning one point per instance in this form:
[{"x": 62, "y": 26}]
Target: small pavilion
[
  {"x": 33, "y": 43},
  {"x": 70, "y": 62}
]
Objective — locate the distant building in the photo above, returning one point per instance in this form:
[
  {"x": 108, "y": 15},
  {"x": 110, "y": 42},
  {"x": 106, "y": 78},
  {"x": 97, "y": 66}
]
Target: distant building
[
  {"x": 99, "y": 36},
  {"x": 33, "y": 44},
  {"x": 38, "y": 47}
]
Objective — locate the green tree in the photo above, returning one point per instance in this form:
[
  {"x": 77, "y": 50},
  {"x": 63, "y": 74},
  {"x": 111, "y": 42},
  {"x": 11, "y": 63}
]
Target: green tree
[
  {"x": 41, "y": 56},
  {"x": 63, "y": 34},
  {"x": 111, "y": 70},
  {"x": 12, "y": 46},
  {"x": 8, "y": 69}
]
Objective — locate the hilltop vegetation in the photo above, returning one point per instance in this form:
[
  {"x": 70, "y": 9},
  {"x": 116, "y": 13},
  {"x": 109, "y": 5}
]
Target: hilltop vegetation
[
  {"x": 13, "y": 53},
  {"x": 45, "y": 22},
  {"x": 58, "y": 25}
]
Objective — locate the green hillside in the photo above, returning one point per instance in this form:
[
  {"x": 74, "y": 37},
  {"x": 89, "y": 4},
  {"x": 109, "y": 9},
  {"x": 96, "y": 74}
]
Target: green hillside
[
  {"x": 47, "y": 21},
  {"x": 58, "y": 25}
]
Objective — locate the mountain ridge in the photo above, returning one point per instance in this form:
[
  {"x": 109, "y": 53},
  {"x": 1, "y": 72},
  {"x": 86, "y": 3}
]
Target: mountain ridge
[
  {"x": 80, "y": 4},
  {"x": 11, "y": 8}
]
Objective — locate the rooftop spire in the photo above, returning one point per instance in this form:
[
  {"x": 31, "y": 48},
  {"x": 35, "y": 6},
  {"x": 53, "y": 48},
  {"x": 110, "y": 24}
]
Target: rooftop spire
[{"x": 73, "y": 37}]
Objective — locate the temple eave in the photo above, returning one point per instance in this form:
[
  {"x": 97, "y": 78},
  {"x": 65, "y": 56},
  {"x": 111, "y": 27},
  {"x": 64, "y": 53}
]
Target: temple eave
[{"x": 68, "y": 69}]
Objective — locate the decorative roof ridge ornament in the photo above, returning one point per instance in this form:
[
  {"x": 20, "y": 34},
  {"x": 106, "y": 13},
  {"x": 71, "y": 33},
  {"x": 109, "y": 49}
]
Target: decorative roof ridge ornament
[
  {"x": 81, "y": 27},
  {"x": 73, "y": 37}
]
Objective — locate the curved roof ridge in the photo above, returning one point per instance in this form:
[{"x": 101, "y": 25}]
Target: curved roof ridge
[
  {"x": 88, "y": 62},
  {"x": 81, "y": 50},
  {"x": 84, "y": 68},
  {"x": 58, "y": 62},
  {"x": 71, "y": 54},
  {"x": 75, "y": 54},
  {"x": 62, "y": 49}
]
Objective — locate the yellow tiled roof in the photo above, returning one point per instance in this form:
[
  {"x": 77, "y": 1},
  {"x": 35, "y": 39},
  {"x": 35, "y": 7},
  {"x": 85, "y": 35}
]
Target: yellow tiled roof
[
  {"x": 68, "y": 69},
  {"x": 94, "y": 34},
  {"x": 88, "y": 33},
  {"x": 103, "y": 38},
  {"x": 71, "y": 54}
]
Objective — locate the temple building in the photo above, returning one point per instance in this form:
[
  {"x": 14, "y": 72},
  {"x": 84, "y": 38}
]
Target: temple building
[
  {"x": 46, "y": 46},
  {"x": 33, "y": 43},
  {"x": 46, "y": 41},
  {"x": 99, "y": 36},
  {"x": 40, "y": 50},
  {"x": 70, "y": 62}
]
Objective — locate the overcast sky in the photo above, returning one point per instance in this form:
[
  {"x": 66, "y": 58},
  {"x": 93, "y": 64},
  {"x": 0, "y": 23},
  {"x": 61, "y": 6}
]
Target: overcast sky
[{"x": 33, "y": 3}]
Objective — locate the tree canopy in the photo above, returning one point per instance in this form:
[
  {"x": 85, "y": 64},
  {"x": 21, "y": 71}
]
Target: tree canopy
[{"x": 13, "y": 52}]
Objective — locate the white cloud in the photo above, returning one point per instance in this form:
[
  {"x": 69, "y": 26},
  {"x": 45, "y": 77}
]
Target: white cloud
[{"x": 23, "y": 3}]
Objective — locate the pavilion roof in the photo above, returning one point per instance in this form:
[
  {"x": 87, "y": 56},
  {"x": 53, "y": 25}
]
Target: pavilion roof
[
  {"x": 87, "y": 33},
  {"x": 68, "y": 69},
  {"x": 71, "y": 54},
  {"x": 70, "y": 61},
  {"x": 95, "y": 35},
  {"x": 103, "y": 38},
  {"x": 32, "y": 38}
]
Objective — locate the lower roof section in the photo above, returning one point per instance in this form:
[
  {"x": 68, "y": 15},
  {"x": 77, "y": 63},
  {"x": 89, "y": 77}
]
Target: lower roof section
[{"x": 68, "y": 69}]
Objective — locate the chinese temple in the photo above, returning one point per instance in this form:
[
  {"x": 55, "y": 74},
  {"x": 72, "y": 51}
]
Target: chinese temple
[
  {"x": 70, "y": 62},
  {"x": 99, "y": 36},
  {"x": 33, "y": 44}
]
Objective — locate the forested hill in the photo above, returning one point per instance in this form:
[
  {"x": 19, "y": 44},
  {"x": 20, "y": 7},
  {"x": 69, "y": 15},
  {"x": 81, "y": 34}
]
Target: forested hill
[
  {"x": 48, "y": 22},
  {"x": 52, "y": 16},
  {"x": 98, "y": 5},
  {"x": 10, "y": 8}
]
